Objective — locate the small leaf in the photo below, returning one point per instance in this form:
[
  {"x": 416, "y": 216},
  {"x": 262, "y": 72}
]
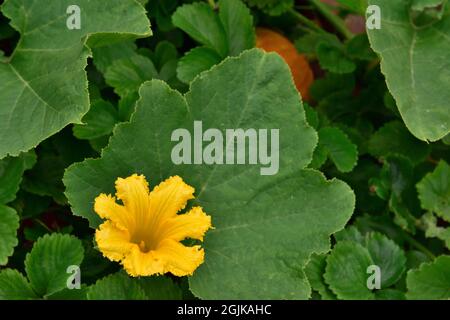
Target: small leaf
[
  {"x": 432, "y": 230},
  {"x": 314, "y": 271},
  {"x": 357, "y": 6},
  {"x": 431, "y": 281},
  {"x": 334, "y": 59},
  {"x": 160, "y": 288},
  {"x": 272, "y": 7},
  {"x": 195, "y": 62},
  {"x": 386, "y": 254},
  {"x": 119, "y": 286},
  {"x": 339, "y": 147},
  {"x": 11, "y": 172},
  {"x": 434, "y": 191},
  {"x": 237, "y": 22},
  {"x": 346, "y": 271},
  {"x": 393, "y": 138},
  {"x": 14, "y": 286},
  {"x": 105, "y": 56},
  {"x": 200, "y": 22},
  {"x": 127, "y": 75},
  {"x": 9, "y": 223},
  {"x": 98, "y": 122},
  {"x": 351, "y": 234},
  {"x": 47, "y": 263}
]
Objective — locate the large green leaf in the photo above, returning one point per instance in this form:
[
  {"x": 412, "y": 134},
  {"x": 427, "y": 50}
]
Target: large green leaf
[
  {"x": 46, "y": 265},
  {"x": 431, "y": 280},
  {"x": 415, "y": 62},
  {"x": 9, "y": 223},
  {"x": 266, "y": 226},
  {"x": 43, "y": 86}
]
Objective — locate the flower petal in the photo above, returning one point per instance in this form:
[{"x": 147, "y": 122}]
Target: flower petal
[
  {"x": 107, "y": 208},
  {"x": 113, "y": 242},
  {"x": 193, "y": 224},
  {"x": 138, "y": 263},
  {"x": 179, "y": 259},
  {"x": 133, "y": 191},
  {"x": 131, "y": 188},
  {"x": 169, "y": 197}
]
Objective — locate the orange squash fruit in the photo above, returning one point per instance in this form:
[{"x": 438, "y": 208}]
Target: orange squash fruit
[{"x": 271, "y": 41}]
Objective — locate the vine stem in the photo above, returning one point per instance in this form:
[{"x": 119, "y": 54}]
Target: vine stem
[
  {"x": 334, "y": 19},
  {"x": 305, "y": 21},
  {"x": 212, "y": 4}
]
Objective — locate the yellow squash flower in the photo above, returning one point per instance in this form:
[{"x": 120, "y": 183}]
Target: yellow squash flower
[{"x": 144, "y": 233}]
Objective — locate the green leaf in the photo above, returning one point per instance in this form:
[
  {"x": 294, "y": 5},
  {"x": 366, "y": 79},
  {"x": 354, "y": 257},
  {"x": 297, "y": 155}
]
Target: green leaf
[
  {"x": 14, "y": 286},
  {"x": 43, "y": 87},
  {"x": 195, "y": 62},
  {"x": 45, "y": 177},
  {"x": 9, "y": 223},
  {"x": 47, "y": 263},
  {"x": 70, "y": 294},
  {"x": 272, "y": 7},
  {"x": 390, "y": 294},
  {"x": 433, "y": 230},
  {"x": 201, "y": 23},
  {"x": 237, "y": 22},
  {"x": 160, "y": 288},
  {"x": 165, "y": 51},
  {"x": 339, "y": 147},
  {"x": 414, "y": 60},
  {"x": 434, "y": 191},
  {"x": 351, "y": 234},
  {"x": 431, "y": 281},
  {"x": 119, "y": 286},
  {"x": 309, "y": 42},
  {"x": 11, "y": 172},
  {"x": 98, "y": 122},
  {"x": 266, "y": 226},
  {"x": 357, "y": 6},
  {"x": 386, "y": 254},
  {"x": 393, "y": 138},
  {"x": 346, "y": 271},
  {"x": 105, "y": 56},
  {"x": 359, "y": 48},
  {"x": 127, "y": 75},
  {"x": 334, "y": 59},
  {"x": 314, "y": 271}
]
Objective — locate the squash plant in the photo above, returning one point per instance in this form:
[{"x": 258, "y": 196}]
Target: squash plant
[{"x": 229, "y": 149}]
